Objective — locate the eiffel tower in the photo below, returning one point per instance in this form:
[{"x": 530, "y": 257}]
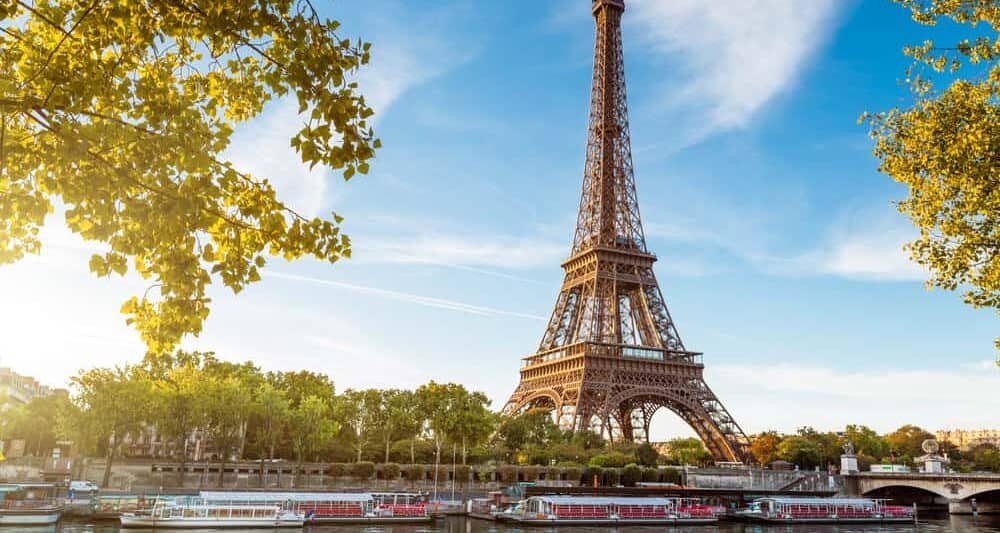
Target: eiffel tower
[{"x": 611, "y": 355}]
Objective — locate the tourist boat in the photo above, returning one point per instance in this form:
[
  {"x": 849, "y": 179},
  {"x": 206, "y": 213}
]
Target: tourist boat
[
  {"x": 587, "y": 510},
  {"x": 824, "y": 510},
  {"x": 340, "y": 507},
  {"x": 185, "y": 513},
  {"x": 29, "y": 505}
]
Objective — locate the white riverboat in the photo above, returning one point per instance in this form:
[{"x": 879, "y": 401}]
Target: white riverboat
[
  {"x": 787, "y": 510},
  {"x": 340, "y": 507},
  {"x": 198, "y": 513},
  {"x": 29, "y": 505},
  {"x": 601, "y": 510}
]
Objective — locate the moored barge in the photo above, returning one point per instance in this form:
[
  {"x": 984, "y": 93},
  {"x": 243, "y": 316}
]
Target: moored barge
[
  {"x": 340, "y": 507},
  {"x": 188, "y": 513},
  {"x": 588, "y": 510},
  {"x": 782, "y": 510}
]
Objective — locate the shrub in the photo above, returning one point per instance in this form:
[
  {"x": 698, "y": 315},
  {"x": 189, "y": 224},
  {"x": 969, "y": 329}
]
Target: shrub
[
  {"x": 610, "y": 476},
  {"x": 651, "y": 475},
  {"x": 670, "y": 475},
  {"x": 415, "y": 473},
  {"x": 530, "y": 473},
  {"x": 573, "y": 474},
  {"x": 363, "y": 470},
  {"x": 646, "y": 455},
  {"x": 390, "y": 471},
  {"x": 338, "y": 469},
  {"x": 485, "y": 475},
  {"x": 553, "y": 473},
  {"x": 631, "y": 474},
  {"x": 611, "y": 460},
  {"x": 589, "y": 474},
  {"x": 508, "y": 474}
]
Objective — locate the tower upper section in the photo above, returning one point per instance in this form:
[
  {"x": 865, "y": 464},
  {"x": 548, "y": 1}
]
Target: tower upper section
[{"x": 609, "y": 211}]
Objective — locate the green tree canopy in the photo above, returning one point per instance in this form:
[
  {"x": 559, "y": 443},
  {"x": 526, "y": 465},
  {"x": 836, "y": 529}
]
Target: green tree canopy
[
  {"x": 943, "y": 147},
  {"x": 119, "y": 111}
]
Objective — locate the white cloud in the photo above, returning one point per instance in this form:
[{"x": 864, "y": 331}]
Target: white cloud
[
  {"x": 732, "y": 56},
  {"x": 426, "y": 301},
  {"x": 785, "y": 396},
  {"x": 463, "y": 251},
  {"x": 861, "y": 244}
]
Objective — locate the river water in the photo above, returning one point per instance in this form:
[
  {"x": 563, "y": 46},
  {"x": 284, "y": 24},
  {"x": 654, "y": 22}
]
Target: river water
[{"x": 931, "y": 524}]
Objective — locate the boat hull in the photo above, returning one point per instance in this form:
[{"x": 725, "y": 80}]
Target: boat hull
[
  {"x": 34, "y": 518},
  {"x": 872, "y": 520},
  {"x": 371, "y": 520},
  {"x": 197, "y": 523},
  {"x": 608, "y": 521}
]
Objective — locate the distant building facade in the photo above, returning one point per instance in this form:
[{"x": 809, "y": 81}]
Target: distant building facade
[
  {"x": 969, "y": 438},
  {"x": 20, "y": 389}
]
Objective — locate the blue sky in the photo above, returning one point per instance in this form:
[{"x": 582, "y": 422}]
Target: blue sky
[{"x": 779, "y": 249}]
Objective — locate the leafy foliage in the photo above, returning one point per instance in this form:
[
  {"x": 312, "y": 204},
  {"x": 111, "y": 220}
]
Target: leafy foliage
[
  {"x": 119, "y": 111},
  {"x": 943, "y": 148}
]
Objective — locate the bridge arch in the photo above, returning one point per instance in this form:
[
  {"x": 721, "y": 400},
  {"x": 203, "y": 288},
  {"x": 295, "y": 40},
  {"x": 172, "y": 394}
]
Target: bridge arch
[
  {"x": 906, "y": 494},
  {"x": 990, "y": 495}
]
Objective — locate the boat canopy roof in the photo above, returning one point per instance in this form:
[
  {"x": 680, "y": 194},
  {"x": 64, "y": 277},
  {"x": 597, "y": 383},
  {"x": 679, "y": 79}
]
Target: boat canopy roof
[
  {"x": 792, "y": 500},
  {"x": 602, "y": 500},
  {"x": 286, "y": 496}
]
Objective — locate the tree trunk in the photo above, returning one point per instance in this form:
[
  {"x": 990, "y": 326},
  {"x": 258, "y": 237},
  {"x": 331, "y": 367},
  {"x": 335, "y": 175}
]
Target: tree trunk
[
  {"x": 107, "y": 463},
  {"x": 222, "y": 470},
  {"x": 463, "y": 449},
  {"x": 413, "y": 453},
  {"x": 181, "y": 469},
  {"x": 260, "y": 476},
  {"x": 298, "y": 471},
  {"x": 243, "y": 439},
  {"x": 388, "y": 443}
]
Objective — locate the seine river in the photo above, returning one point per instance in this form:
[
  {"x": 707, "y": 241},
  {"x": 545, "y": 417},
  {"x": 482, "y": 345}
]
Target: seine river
[{"x": 942, "y": 523}]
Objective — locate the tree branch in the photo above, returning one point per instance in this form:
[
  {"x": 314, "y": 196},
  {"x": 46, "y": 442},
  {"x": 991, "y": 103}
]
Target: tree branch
[{"x": 66, "y": 35}]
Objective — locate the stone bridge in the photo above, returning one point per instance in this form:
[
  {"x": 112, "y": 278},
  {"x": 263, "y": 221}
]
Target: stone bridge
[{"x": 954, "y": 490}]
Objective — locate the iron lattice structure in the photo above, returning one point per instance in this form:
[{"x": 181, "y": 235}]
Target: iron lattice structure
[{"x": 611, "y": 355}]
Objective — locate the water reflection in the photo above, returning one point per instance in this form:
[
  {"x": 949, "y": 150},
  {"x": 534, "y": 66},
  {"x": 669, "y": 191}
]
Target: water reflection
[{"x": 943, "y": 523}]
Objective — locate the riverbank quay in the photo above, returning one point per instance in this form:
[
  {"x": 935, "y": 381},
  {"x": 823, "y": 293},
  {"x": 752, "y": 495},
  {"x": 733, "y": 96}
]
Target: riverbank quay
[{"x": 135, "y": 474}]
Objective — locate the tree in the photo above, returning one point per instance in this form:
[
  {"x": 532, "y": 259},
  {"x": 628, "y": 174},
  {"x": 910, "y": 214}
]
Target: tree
[
  {"x": 809, "y": 448},
  {"x": 764, "y": 447},
  {"x": 399, "y": 418},
  {"x": 120, "y": 111},
  {"x": 115, "y": 401},
  {"x": 531, "y": 428},
  {"x": 689, "y": 451},
  {"x": 227, "y": 402},
  {"x": 866, "y": 441},
  {"x": 941, "y": 147},
  {"x": 985, "y": 457},
  {"x": 360, "y": 412},
  {"x": 646, "y": 454},
  {"x": 33, "y": 422},
  {"x": 907, "y": 441},
  {"x": 180, "y": 408},
  {"x": 271, "y": 410},
  {"x": 302, "y": 384},
  {"x": 311, "y": 425},
  {"x": 471, "y": 422}
]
